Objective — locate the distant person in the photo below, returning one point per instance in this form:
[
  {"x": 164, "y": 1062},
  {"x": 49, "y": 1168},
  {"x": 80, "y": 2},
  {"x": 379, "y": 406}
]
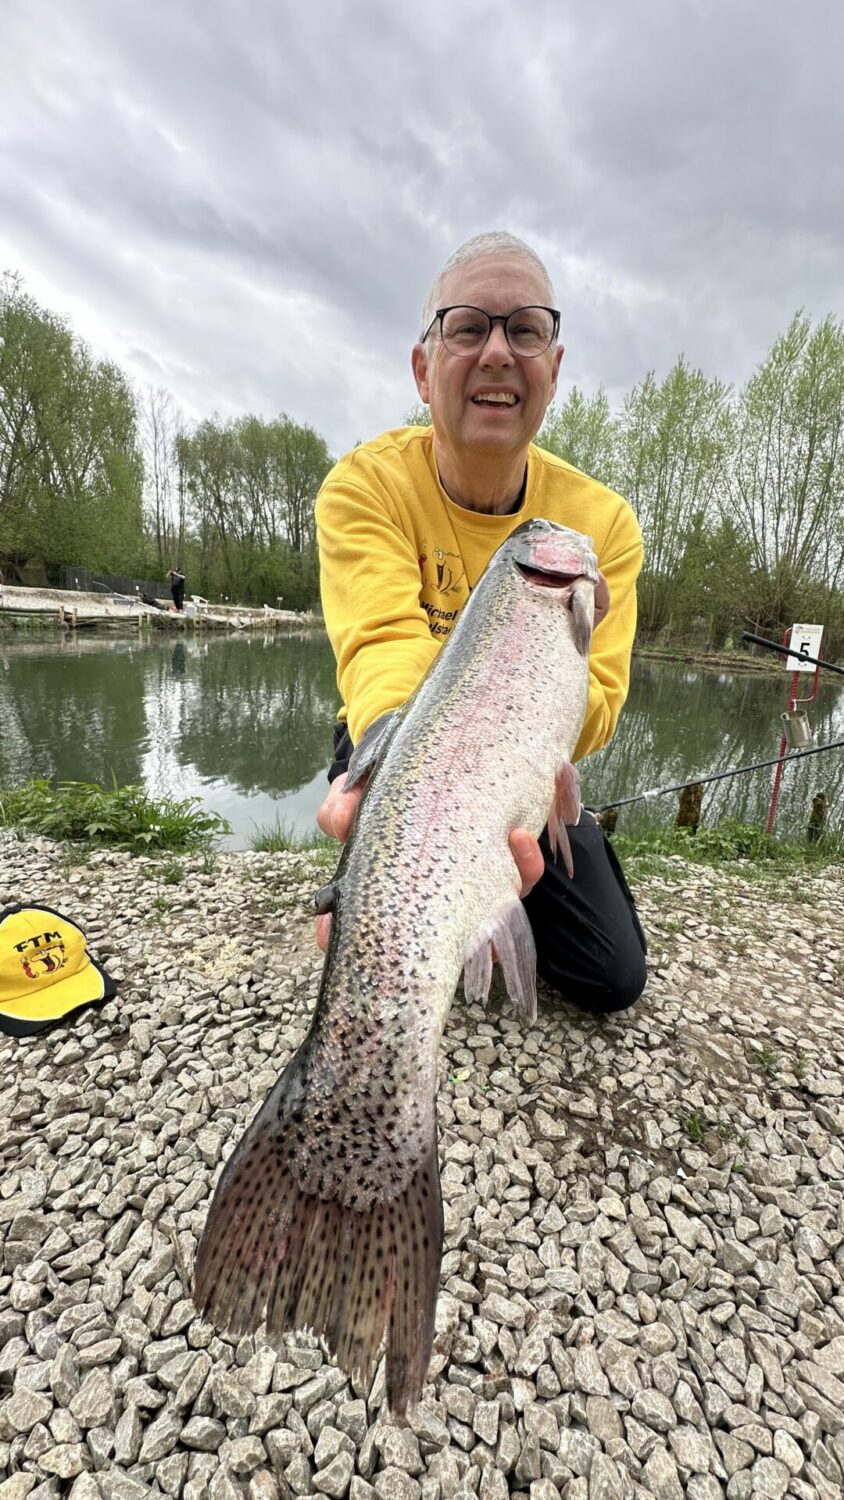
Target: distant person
[{"x": 177, "y": 587}]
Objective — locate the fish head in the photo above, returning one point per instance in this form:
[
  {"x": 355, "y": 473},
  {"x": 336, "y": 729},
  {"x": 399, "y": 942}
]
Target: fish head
[{"x": 558, "y": 560}]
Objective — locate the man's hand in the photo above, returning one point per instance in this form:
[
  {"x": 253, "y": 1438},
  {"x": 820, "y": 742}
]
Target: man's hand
[
  {"x": 339, "y": 810},
  {"x": 338, "y": 813},
  {"x": 602, "y": 598}
]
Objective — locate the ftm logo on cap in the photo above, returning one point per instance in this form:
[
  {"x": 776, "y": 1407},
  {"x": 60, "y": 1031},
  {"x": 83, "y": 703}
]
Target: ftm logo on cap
[{"x": 46, "y": 971}]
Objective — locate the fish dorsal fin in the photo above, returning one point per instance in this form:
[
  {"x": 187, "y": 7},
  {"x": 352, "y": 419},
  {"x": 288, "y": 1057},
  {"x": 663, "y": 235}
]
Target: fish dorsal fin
[
  {"x": 370, "y": 748},
  {"x": 510, "y": 933}
]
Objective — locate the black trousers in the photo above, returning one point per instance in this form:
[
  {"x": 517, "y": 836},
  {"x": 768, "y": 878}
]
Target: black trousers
[
  {"x": 178, "y": 592},
  {"x": 590, "y": 946}
]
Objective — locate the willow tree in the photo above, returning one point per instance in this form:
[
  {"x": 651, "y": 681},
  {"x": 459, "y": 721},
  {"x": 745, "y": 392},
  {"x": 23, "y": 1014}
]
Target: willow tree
[
  {"x": 784, "y": 481},
  {"x": 70, "y": 463},
  {"x": 672, "y": 441},
  {"x": 251, "y": 488},
  {"x": 583, "y": 432}
]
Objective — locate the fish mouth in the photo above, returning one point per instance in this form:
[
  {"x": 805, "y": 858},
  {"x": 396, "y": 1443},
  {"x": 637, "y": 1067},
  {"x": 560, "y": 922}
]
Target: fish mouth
[{"x": 544, "y": 578}]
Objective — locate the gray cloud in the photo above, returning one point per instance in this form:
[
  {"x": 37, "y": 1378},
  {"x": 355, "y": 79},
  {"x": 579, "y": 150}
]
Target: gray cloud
[{"x": 246, "y": 204}]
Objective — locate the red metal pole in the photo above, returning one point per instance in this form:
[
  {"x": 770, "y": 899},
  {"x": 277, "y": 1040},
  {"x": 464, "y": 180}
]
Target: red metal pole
[
  {"x": 792, "y": 697},
  {"x": 772, "y": 812}
]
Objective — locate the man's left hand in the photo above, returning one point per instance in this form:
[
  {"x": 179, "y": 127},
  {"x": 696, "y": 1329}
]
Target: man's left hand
[{"x": 602, "y": 598}]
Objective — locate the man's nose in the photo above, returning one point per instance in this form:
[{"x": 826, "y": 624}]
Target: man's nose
[{"x": 496, "y": 350}]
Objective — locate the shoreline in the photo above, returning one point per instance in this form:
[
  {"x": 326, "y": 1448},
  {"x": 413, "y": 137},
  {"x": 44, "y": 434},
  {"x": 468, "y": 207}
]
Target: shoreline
[
  {"x": 642, "y": 1279},
  {"x": 66, "y": 611}
]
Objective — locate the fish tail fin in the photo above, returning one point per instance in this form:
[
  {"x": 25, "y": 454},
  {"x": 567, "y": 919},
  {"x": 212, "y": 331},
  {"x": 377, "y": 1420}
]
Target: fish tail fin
[{"x": 272, "y": 1252}]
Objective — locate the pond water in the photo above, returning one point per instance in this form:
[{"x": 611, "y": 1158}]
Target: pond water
[{"x": 244, "y": 724}]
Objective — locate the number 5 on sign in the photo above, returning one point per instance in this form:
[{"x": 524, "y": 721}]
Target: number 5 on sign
[{"x": 804, "y": 638}]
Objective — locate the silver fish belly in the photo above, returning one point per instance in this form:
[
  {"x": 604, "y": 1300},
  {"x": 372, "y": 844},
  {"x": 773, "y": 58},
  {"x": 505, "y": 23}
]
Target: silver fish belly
[{"x": 328, "y": 1214}]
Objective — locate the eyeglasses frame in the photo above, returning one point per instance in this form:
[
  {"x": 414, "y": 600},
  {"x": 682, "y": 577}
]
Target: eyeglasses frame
[{"x": 503, "y": 319}]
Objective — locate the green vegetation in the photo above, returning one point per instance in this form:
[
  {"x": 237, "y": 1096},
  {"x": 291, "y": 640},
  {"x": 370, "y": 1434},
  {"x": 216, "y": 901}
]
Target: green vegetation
[
  {"x": 280, "y": 838},
  {"x": 766, "y": 1060},
  {"x": 737, "y": 492},
  {"x": 71, "y": 467},
  {"x": 649, "y": 853},
  {"x": 122, "y": 817},
  {"x": 249, "y": 489},
  {"x": 93, "y": 474}
]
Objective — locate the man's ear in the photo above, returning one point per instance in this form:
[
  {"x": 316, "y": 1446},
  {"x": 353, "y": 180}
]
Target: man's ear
[
  {"x": 558, "y": 360},
  {"x": 419, "y": 366}
]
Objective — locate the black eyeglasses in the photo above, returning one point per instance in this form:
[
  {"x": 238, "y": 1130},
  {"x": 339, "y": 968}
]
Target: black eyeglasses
[{"x": 529, "y": 331}]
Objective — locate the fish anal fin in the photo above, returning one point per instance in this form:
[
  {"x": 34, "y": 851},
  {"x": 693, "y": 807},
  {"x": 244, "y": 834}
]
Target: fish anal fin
[
  {"x": 508, "y": 937},
  {"x": 565, "y": 809},
  {"x": 370, "y": 748},
  {"x": 272, "y": 1253}
]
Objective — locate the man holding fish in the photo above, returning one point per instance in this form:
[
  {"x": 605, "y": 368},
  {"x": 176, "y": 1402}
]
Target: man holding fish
[
  {"x": 406, "y": 525},
  {"x": 480, "y": 653}
]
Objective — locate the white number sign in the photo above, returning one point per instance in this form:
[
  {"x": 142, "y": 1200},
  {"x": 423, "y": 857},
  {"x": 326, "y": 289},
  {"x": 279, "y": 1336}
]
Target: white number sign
[{"x": 804, "y": 638}]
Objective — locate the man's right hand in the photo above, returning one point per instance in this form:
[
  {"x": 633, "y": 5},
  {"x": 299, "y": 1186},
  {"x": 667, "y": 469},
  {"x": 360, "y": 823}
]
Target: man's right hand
[
  {"x": 335, "y": 818},
  {"x": 339, "y": 810}
]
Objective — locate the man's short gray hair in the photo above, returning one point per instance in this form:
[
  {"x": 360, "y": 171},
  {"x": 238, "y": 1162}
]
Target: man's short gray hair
[{"x": 496, "y": 242}]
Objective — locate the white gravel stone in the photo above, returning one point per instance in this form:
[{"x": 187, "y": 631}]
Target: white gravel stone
[{"x": 631, "y": 1305}]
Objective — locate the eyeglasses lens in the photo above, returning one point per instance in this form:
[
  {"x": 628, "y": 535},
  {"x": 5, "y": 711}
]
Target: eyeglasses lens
[{"x": 529, "y": 330}]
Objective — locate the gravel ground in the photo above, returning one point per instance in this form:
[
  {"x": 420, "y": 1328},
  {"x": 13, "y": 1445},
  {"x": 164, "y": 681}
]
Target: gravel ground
[{"x": 641, "y": 1289}]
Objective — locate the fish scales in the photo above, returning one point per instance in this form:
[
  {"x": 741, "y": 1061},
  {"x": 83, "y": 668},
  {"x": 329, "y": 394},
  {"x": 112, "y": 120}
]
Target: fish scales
[{"x": 328, "y": 1213}]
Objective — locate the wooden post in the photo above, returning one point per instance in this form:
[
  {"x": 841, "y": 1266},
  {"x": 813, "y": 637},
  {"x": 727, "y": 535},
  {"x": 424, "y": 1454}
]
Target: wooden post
[
  {"x": 73, "y": 617},
  {"x": 608, "y": 819},
  {"x": 817, "y": 818},
  {"x": 688, "y": 810}
]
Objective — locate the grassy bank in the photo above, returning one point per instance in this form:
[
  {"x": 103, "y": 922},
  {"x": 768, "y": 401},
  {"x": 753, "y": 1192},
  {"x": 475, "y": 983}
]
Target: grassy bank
[
  {"x": 651, "y": 853},
  {"x": 121, "y": 817},
  {"x": 127, "y": 818}
]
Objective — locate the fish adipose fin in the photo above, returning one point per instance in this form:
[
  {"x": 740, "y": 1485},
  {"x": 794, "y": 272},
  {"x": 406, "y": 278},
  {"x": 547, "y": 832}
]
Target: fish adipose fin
[
  {"x": 370, "y": 748},
  {"x": 510, "y": 933},
  {"x": 566, "y": 809},
  {"x": 272, "y": 1252}
]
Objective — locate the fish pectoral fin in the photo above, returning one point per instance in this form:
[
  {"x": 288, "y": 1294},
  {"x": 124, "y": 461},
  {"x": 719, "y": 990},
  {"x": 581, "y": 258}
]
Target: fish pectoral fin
[
  {"x": 271, "y": 1252},
  {"x": 370, "y": 748},
  {"x": 508, "y": 937},
  {"x": 583, "y": 613},
  {"x": 566, "y": 809}
]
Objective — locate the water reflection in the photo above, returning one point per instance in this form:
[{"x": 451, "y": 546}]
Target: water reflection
[
  {"x": 678, "y": 722},
  {"x": 244, "y": 724}
]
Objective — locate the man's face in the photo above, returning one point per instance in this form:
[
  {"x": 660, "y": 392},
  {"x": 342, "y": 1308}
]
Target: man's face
[{"x": 455, "y": 386}]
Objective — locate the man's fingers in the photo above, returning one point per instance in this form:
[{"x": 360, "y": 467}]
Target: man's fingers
[
  {"x": 323, "y": 931},
  {"x": 528, "y": 856},
  {"x": 602, "y": 598},
  {"x": 337, "y": 813},
  {"x": 327, "y": 811}
]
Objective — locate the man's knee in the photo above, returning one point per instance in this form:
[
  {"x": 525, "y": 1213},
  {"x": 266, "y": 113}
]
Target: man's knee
[
  {"x": 625, "y": 984},
  {"x": 611, "y": 983}
]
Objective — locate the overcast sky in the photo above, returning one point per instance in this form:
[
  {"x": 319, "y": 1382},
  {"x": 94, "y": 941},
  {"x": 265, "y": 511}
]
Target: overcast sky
[{"x": 245, "y": 203}]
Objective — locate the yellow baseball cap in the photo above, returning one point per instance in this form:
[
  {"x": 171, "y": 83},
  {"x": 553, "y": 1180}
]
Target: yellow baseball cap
[{"x": 46, "y": 971}]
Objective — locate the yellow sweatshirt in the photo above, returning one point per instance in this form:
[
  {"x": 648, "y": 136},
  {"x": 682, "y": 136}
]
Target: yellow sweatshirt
[{"x": 398, "y": 560}]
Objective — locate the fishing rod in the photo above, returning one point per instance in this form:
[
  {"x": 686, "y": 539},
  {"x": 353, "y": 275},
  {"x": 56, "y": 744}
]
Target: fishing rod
[
  {"x": 817, "y": 661},
  {"x": 759, "y": 765}
]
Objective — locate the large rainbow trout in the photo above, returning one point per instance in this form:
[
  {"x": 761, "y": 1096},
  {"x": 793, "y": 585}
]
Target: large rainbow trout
[{"x": 328, "y": 1214}]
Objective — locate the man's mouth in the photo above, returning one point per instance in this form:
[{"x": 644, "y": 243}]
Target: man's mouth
[{"x": 495, "y": 398}]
